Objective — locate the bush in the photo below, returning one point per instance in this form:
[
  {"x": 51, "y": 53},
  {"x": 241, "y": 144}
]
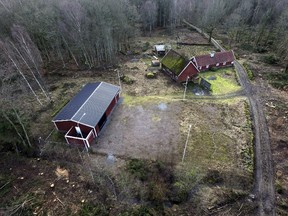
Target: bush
[
  {"x": 179, "y": 192},
  {"x": 213, "y": 177},
  {"x": 90, "y": 209},
  {"x": 150, "y": 75},
  {"x": 246, "y": 46},
  {"x": 138, "y": 168},
  {"x": 279, "y": 187},
  {"x": 213, "y": 69},
  {"x": 13, "y": 137},
  {"x": 145, "y": 47},
  {"x": 126, "y": 80},
  {"x": 139, "y": 211},
  {"x": 270, "y": 59},
  {"x": 158, "y": 191},
  {"x": 278, "y": 80},
  {"x": 249, "y": 71},
  {"x": 261, "y": 49}
]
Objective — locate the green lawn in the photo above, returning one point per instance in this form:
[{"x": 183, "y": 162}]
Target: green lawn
[{"x": 224, "y": 83}]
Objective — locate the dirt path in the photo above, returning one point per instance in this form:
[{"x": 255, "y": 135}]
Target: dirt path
[{"x": 264, "y": 173}]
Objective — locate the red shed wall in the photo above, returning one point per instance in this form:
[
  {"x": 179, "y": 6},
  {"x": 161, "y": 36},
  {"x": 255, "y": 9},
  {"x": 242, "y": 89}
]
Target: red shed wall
[
  {"x": 65, "y": 126},
  {"x": 75, "y": 141},
  {"x": 221, "y": 65},
  {"x": 117, "y": 97},
  {"x": 110, "y": 107},
  {"x": 90, "y": 138},
  {"x": 97, "y": 129},
  {"x": 190, "y": 71}
]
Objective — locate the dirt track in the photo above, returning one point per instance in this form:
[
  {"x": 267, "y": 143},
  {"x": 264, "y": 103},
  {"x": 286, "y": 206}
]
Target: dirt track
[
  {"x": 263, "y": 170},
  {"x": 264, "y": 174}
]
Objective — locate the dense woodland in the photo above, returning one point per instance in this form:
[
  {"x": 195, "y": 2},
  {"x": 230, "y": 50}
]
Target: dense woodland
[{"x": 91, "y": 34}]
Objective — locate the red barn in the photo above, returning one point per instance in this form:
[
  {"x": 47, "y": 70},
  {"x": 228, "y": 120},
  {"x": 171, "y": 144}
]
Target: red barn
[
  {"x": 177, "y": 67},
  {"x": 214, "y": 59},
  {"x": 85, "y": 115}
]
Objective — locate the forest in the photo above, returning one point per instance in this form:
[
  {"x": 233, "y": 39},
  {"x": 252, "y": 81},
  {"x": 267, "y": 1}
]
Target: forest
[{"x": 50, "y": 48}]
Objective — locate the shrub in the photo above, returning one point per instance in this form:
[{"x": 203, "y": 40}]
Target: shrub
[
  {"x": 246, "y": 46},
  {"x": 278, "y": 80},
  {"x": 279, "y": 187},
  {"x": 249, "y": 71},
  {"x": 157, "y": 191},
  {"x": 126, "y": 80},
  {"x": 213, "y": 177},
  {"x": 139, "y": 211},
  {"x": 179, "y": 192},
  {"x": 270, "y": 59},
  {"x": 145, "y": 47},
  {"x": 90, "y": 209},
  {"x": 261, "y": 49},
  {"x": 150, "y": 75},
  {"x": 138, "y": 168},
  {"x": 213, "y": 69}
]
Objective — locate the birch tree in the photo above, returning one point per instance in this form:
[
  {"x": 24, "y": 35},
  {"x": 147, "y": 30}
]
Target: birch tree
[{"x": 149, "y": 15}]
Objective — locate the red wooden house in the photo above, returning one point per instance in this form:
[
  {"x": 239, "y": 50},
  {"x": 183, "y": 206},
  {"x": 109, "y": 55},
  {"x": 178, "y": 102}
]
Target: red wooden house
[
  {"x": 85, "y": 115},
  {"x": 177, "y": 67},
  {"x": 214, "y": 59}
]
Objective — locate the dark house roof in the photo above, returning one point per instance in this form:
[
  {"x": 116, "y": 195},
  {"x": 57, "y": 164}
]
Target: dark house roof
[
  {"x": 218, "y": 57},
  {"x": 174, "y": 62},
  {"x": 93, "y": 100}
]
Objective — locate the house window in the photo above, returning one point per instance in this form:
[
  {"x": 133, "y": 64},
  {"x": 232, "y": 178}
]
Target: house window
[
  {"x": 217, "y": 64},
  {"x": 224, "y": 63},
  {"x": 207, "y": 66}
]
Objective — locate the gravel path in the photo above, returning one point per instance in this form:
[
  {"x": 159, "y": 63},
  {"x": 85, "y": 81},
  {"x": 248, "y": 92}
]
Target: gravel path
[{"x": 263, "y": 170}]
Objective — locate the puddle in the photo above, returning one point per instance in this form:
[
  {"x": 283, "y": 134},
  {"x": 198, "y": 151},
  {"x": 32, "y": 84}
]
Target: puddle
[
  {"x": 162, "y": 106},
  {"x": 212, "y": 78},
  {"x": 111, "y": 159},
  {"x": 134, "y": 60},
  {"x": 197, "y": 90}
]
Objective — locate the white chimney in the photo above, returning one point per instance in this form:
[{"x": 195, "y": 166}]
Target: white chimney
[{"x": 212, "y": 53}]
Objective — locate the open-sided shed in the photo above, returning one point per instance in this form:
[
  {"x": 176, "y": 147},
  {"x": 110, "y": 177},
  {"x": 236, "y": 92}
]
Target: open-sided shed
[
  {"x": 159, "y": 49},
  {"x": 85, "y": 115}
]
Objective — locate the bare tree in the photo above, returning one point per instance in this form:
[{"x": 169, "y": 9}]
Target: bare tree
[
  {"x": 149, "y": 15},
  {"x": 10, "y": 54}
]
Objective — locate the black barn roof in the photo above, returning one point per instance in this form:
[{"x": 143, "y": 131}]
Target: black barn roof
[{"x": 93, "y": 100}]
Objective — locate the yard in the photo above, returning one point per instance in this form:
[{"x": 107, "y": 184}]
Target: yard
[{"x": 149, "y": 128}]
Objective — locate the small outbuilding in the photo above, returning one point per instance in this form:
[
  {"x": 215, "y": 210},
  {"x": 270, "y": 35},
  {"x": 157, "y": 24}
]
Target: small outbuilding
[
  {"x": 214, "y": 59},
  {"x": 177, "y": 67},
  {"x": 86, "y": 114},
  {"x": 160, "y": 50}
]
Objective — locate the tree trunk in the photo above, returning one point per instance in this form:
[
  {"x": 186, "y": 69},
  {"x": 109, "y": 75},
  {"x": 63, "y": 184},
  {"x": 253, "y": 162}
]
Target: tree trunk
[
  {"x": 23, "y": 127},
  {"x": 15, "y": 128},
  {"x": 210, "y": 35},
  {"x": 22, "y": 74}
]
